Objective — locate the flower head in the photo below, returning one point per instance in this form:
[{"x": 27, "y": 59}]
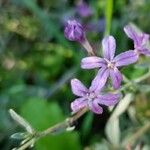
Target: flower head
[
  {"x": 109, "y": 64},
  {"x": 91, "y": 97},
  {"x": 74, "y": 31},
  {"x": 140, "y": 40}
]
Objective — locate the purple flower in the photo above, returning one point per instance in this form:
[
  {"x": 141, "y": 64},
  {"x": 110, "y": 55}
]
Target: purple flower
[
  {"x": 91, "y": 97},
  {"x": 74, "y": 31},
  {"x": 83, "y": 9},
  {"x": 109, "y": 64},
  {"x": 140, "y": 40}
]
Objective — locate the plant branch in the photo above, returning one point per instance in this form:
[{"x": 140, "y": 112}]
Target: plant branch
[
  {"x": 63, "y": 125},
  {"x": 138, "y": 80}
]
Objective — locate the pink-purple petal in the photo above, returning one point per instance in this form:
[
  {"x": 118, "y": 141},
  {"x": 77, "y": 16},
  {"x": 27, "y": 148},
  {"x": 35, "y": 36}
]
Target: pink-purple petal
[
  {"x": 131, "y": 33},
  {"x": 78, "y": 88},
  {"x": 109, "y": 47},
  {"x": 144, "y": 38},
  {"x": 108, "y": 99},
  {"x": 94, "y": 106},
  {"x": 145, "y": 52},
  {"x": 92, "y": 62},
  {"x": 78, "y": 104},
  {"x": 116, "y": 78},
  {"x": 100, "y": 80},
  {"x": 126, "y": 58}
]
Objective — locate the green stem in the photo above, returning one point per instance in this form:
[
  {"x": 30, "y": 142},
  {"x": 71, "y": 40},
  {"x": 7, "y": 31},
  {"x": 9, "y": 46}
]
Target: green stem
[
  {"x": 108, "y": 16},
  {"x": 25, "y": 145},
  {"x": 63, "y": 125},
  {"x": 142, "y": 78}
]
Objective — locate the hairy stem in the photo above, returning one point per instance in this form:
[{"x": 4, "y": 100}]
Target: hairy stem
[{"x": 63, "y": 125}]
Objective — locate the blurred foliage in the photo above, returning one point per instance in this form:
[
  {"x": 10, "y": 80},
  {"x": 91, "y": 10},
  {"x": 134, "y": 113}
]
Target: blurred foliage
[
  {"x": 37, "y": 63},
  {"x": 51, "y": 114}
]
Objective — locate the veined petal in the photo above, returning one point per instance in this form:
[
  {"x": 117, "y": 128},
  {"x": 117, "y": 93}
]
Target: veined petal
[
  {"x": 108, "y": 99},
  {"x": 93, "y": 106},
  {"x": 109, "y": 47},
  {"x": 100, "y": 80},
  {"x": 78, "y": 88},
  {"x": 145, "y": 52},
  {"x": 132, "y": 34},
  {"x": 78, "y": 104},
  {"x": 126, "y": 58},
  {"x": 92, "y": 62},
  {"x": 116, "y": 78}
]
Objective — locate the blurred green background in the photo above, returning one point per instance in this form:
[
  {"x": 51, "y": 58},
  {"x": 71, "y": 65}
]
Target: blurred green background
[{"x": 37, "y": 63}]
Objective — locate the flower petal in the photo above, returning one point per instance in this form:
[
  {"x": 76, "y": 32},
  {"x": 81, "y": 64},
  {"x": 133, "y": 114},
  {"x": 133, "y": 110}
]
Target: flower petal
[
  {"x": 78, "y": 104},
  {"x": 132, "y": 34},
  {"x": 93, "y": 106},
  {"x": 78, "y": 88},
  {"x": 108, "y": 99},
  {"x": 100, "y": 80},
  {"x": 92, "y": 62},
  {"x": 144, "y": 38},
  {"x": 126, "y": 58},
  {"x": 145, "y": 52},
  {"x": 109, "y": 47},
  {"x": 116, "y": 78}
]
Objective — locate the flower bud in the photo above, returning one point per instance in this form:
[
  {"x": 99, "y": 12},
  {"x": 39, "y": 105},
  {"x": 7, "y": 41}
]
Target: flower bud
[{"x": 74, "y": 31}]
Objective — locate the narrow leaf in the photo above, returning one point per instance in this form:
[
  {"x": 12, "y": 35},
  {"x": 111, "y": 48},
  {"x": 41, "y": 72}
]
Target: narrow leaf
[{"x": 21, "y": 121}]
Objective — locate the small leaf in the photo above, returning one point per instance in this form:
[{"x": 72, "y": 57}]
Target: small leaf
[
  {"x": 21, "y": 121},
  {"x": 20, "y": 135}
]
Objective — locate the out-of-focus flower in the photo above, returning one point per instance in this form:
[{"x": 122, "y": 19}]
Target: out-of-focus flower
[
  {"x": 95, "y": 26},
  {"x": 140, "y": 40},
  {"x": 83, "y": 9},
  {"x": 74, "y": 31},
  {"x": 109, "y": 64},
  {"x": 91, "y": 98}
]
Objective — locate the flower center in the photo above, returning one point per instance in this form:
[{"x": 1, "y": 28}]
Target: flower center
[
  {"x": 110, "y": 64},
  {"x": 90, "y": 96},
  {"x": 137, "y": 51}
]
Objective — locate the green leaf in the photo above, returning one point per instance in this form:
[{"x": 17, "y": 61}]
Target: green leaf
[
  {"x": 42, "y": 115},
  {"x": 21, "y": 121},
  {"x": 19, "y": 136}
]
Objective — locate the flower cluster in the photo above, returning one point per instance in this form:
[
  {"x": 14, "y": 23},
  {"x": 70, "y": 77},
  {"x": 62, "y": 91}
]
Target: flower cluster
[{"x": 108, "y": 66}]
